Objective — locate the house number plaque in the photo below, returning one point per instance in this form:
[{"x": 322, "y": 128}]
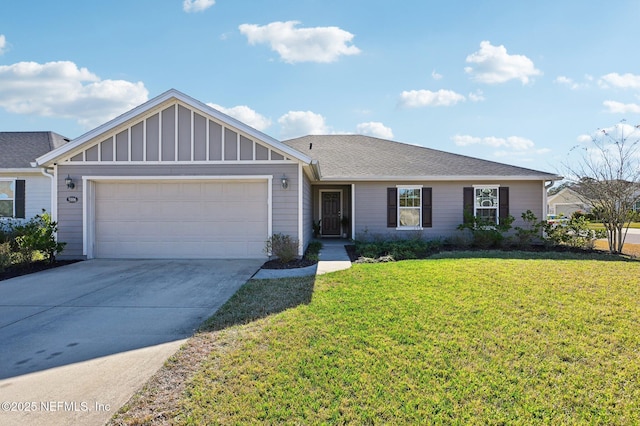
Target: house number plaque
[{"x": 72, "y": 199}]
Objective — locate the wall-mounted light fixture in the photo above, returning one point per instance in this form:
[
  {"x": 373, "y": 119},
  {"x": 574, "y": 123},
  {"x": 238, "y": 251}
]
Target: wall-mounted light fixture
[
  {"x": 285, "y": 182},
  {"x": 69, "y": 182}
]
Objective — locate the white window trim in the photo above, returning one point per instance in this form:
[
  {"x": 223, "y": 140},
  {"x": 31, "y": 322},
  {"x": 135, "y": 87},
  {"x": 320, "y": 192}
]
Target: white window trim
[
  {"x": 497, "y": 206},
  {"x": 13, "y": 213},
  {"x": 408, "y": 228}
]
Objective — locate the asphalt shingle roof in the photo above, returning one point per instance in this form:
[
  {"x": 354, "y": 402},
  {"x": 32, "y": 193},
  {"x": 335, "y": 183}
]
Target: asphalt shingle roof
[
  {"x": 366, "y": 157},
  {"x": 19, "y": 149}
]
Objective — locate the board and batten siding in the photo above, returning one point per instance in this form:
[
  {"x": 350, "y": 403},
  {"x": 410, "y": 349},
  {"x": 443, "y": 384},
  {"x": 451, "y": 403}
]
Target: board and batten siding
[
  {"x": 70, "y": 225},
  {"x": 174, "y": 132},
  {"x": 371, "y": 205}
]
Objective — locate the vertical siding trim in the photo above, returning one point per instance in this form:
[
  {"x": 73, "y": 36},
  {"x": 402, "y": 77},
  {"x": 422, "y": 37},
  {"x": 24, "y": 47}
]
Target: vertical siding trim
[
  {"x": 159, "y": 136},
  {"x": 353, "y": 211},
  {"x": 113, "y": 142},
  {"x": 301, "y": 242},
  {"x": 192, "y": 138},
  {"x": 207, "y": 149},
  {"x": 222, "y": 143},
  {"x": 144, "y": 140},
  {"x": 129, "y": 144},
  {"x": 175, "y": 132},
  {"x": 238, "y": 146}
]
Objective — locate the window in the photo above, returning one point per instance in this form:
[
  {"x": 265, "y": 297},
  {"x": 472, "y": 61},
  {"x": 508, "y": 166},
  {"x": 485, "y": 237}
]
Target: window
[
  {"x": 486, "y": 204},
  {"x": 409, "y": 207},
  {"x": 7, "y": 198},
  {"x": 490, "y": 202}
]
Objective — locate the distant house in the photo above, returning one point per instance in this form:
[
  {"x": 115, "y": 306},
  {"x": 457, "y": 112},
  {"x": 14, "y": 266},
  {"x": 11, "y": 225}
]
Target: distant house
[
  {"x": 25, "y": 190},
  {"x": 175, "y": 178},
  {"x": 565, "y": 202}
]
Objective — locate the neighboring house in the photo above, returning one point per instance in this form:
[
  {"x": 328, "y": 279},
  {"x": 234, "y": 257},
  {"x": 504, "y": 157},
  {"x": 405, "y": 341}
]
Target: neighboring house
[
  {"x": 175, "y": 178},
  {"x": 24, "y": 190},
  {"x": 566, "y": 202}
]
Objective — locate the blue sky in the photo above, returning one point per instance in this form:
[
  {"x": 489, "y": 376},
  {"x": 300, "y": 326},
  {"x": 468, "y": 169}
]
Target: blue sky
[{"x": 509, "y": 81}]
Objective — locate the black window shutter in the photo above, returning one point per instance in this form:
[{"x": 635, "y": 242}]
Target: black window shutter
[
  {"x": 392, "y": 207},
  {"x": 427, "y": 209},
  {"x": 503, "y": 194},
  {"x": 20, "y": 199},
  {"x": 467, "y": 202}
]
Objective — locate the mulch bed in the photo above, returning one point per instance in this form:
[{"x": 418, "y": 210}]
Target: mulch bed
[
  {"x": 41, "y": 265},
  {"x": 295, "y": 263}
]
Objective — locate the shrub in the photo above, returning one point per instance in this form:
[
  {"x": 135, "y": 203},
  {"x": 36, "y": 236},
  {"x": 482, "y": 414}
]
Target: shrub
[
  {"x": 575, "y": 233},
  {"x": 411, "y": 248},
  {"x": 531, "y": 231},
  {"x": 5, "y": 256},
  {"x": 313, "y": 251},
  {"x": 282, "y": 246},
  {"x": 486, "y": 234},
  {"x": 38, "y": 234}
]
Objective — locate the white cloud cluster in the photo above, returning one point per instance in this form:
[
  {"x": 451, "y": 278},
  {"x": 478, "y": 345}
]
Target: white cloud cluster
[
  {"x": 3, "y": 43},
  {"x": 516, "y": 143},
  {"x": 376, "y": 129},
  {"x": 319, "y": 44},
  {"x": 246, "y": 115},
  {"x": 477, "y": 96},
  {"x": 492, "y": 64},
  {"x": 301, "y": 123},
  {"x": 61, "y": 89},
  {"x": 615, "y": 107},
  {"x": 435, "y": 75},
  {"x": 621, "y": 81},
  {"x": 421, "y": 98},
  {"x": 191, "y": 6}
]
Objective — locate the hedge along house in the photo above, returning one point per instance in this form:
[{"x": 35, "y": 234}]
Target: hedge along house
[{"x": 175, "y": 178}]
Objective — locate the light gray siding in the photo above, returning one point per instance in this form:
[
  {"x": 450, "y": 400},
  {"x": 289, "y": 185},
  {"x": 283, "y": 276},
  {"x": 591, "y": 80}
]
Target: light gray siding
[
  {"x": 307, "y": 211},
  {"x": 37, "y": 192},
  {"x": 70, "y": 228},
  {"x": 371, "y": 205}
]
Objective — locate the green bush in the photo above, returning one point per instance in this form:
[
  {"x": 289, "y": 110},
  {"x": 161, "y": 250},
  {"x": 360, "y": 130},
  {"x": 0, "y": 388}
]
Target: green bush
[
  {"x": 574, "y": 233},
  {"x": 530, "y": 232},
  {"x": 313, "y": 250},
  {"x": 486, "y": 234},
  {"x": 5, "y": 256},
  {"x": 282, "y": 246},
  {"x": 411, "y": 248},
  {"x": 38, "y": 234}
]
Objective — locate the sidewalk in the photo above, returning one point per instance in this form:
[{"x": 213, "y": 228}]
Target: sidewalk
[{"x": 333, "y": 257}]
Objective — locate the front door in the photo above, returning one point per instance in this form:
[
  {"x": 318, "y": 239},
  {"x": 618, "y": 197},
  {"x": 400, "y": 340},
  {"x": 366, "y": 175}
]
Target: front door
[{"x": 330, "y": 213}]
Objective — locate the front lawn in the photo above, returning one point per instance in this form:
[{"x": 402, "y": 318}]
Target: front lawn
[{"x": 459, "y": 338}]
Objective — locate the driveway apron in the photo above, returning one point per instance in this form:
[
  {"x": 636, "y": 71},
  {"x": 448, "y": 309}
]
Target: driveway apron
[{"x": 77, "y": 341}]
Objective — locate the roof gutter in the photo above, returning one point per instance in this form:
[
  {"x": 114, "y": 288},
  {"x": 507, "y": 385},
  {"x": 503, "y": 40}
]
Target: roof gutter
[{"x": 439, "y": 178}]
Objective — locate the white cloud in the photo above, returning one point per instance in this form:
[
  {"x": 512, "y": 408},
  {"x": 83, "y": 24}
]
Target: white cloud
[
  {"x": 246, "y": 115},
  {"x": 421, "y": 98},
  {"x": 376, "y": 129},
  {"x": 624, "y": 81},
  {"x": 61, "y": 89},
  {"x": 3, "y": 43},
  {"x": 476, "y": 96},
  {"x": 301, "y": 123},
  {"x": 615, "y": 107},
  {"x": 584, "y": 138},
  {"x": 572, "y": 84},
  {"x": 494, "y": 65},
  {"x": 435, "y": 75},
  {"x": 197, "y": 5},
  {"x": 516, "y": 143},
  {"x": 319, "y": 44}
]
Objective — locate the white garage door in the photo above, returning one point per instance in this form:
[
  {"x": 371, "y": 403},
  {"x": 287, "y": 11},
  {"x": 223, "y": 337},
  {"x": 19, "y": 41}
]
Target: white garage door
[{"x": 184, "y": 219}]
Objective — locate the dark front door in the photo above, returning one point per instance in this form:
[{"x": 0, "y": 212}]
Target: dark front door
[{"x": 330, "y": 213}]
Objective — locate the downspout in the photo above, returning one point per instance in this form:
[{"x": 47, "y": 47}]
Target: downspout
[
  {"x": 545, "y": 206},
  {"x": 54, "y": 192}
]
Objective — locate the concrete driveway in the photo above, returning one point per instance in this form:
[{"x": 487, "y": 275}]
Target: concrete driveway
[{"x": 77, "y": 341}]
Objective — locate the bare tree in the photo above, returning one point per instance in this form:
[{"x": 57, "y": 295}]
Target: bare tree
[{"x": 606, "y": 175}]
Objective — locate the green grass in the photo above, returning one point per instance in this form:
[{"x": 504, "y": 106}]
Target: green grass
[
  {"x": 599, "y": 225},
  {"x": 465, "y": 340}
]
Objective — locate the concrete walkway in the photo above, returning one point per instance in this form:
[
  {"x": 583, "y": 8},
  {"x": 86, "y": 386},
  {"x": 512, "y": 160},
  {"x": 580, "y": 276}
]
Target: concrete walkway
[{"x": 333, "y": 257}]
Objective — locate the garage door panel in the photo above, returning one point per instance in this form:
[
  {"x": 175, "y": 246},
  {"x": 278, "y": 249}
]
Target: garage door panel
[{"x": 180, "y": 220}]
